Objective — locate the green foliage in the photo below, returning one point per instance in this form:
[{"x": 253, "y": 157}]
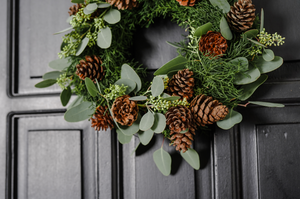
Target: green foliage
[
  {"x": 270, "y": 40},
  {"x": 232, "y": 118},
  {"x": 114, "y": 91},
  {"x": 161, "y": 105}
]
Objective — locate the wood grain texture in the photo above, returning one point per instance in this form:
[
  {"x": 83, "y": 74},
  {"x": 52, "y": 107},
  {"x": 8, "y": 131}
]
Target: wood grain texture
[
  {"x": 32, "y": 24},
  {"x": 47, "y": 153},
  {"x": 278, "y": 160},
  {"x": 256, "y": 151},
  {"x": 53, "y": 164}
]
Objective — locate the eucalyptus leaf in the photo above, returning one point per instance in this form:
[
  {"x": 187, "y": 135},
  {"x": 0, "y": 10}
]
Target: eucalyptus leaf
[
  {"x": 104, "y": 38},
  {"x": 128, "y": 73},
  {"x": 268, "y": 55},
  {"x": 123, "y": 139},
  {"x": 45, "y": 83},
  {"x": 225, "y": 30},
  {"x": 91, "y": 87},
  {"x": 65, "y": 96},
  {"x": 103, "y": 5},
  {"x": 177, "y": 63},
  {"x": 60, "y": 64},
  {"x": 249, "y": 89},
  {"x": 99, "y": 89},
  {"x": 127, "y": 82},
  {"x": 267, "y": 104},
  {"x": 257, "y": 43},
  {"x": 147, "y": 121},
  {"x": 262, "y": 18},
  {"x": 172, "y": 98},
  {"x": 159, "y": 124},
  {"x": 145, "y": 136},
  {"x": 112, "y": 16},
  {"x": 52, "y": 75},
  {"x": 251, "y": 33},
  {"x": 75, "y": 102},
  {"x": 64, "y": 30},
  {"x": 77, "y": 1},
  {"x": 165, "y": 95},
  {"x": 222, "y": 4},
  {"x": 80, "y": 112},
  {"x": 92, "y": 6},
  {"x": 247, "y": 77},
  {"x": 242, "y": 62},
  {"x": 176, "y": 45},
  {"x": 192, "y": 157},
  {"x": 184, "y": 131},
  {"x": 87, "y": 11},
  {"x": 268, "y": 66},
  {"x": 138, "y": 98},
  {"x": 157, "y": 87},
  {"x": 232, "y": 118},
  {"x": 163, "y": 161},
  {"x": 70, "y": 19},
  {"x": 134, "y": 128},
  {"x": 203, "y": 29},
  {"x": 82, "y": 46}
]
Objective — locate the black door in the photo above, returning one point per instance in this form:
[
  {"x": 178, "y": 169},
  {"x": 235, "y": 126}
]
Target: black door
[{"x": 42, "y": 156}]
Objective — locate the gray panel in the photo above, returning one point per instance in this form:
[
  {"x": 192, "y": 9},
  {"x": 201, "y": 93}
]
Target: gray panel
[
  {"x": 278, "y": 160},
  {"x": 38, "y": 20},
  {"x": 49, "y": 153},
  {"x": 252, "y": 147},
  {"x": 104, "y": 164},
  {"x": 54, "y": 164}
]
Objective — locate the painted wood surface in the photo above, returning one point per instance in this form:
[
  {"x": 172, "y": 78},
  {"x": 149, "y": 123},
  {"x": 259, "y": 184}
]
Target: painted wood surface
[{"x": 42, "y": 156}]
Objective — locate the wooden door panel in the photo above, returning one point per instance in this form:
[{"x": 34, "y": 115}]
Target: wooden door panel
[
  {"x": 270, "y": 152},
  {"x": 50, "y": 157},
  {"x": 33, "y": 45}
]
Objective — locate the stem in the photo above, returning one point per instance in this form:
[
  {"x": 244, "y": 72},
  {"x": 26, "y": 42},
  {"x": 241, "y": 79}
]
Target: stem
[
  {"x": 244, "y": 105},
  {"x": 162, "y": 144}
]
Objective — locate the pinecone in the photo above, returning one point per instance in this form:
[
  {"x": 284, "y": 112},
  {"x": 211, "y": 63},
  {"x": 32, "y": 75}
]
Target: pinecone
[
  {"x": 74, "y": 9},
  {"x": 102, "y": 119},
  {"x": 187, "y": 2},
  {"x": 124, "y": 111},
  {"x": 90, "y": 67},
  {"x": 241, "y": 15},
  {"x": 206, "y": 110},
  {"x": 182, "y": 84},
  {"x": 179, "y": 118},
  {"x": 123, "y": 4},
  {"x": 213, "y": 43}
]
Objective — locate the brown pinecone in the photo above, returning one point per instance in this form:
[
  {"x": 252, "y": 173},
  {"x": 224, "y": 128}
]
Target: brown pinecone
[
  {"x": 213, "y": 43},
  {"x": 241, "y": 15},
  {"x": 91, "y": 67},
  {"x": 182, "y": 84},
  {"x": 206, "y": 110},
  {"x": 123, "y": 4},
  {"x": 179, "y": 118},
  {"x": 74, "y": 9},
  {"x": 124, "y": 111},
  {"x": 102, "y": 119},
  {"x": 187, "y": 2}
]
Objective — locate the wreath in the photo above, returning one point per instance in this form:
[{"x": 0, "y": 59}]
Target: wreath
[{"x": 221, "y": 62}]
